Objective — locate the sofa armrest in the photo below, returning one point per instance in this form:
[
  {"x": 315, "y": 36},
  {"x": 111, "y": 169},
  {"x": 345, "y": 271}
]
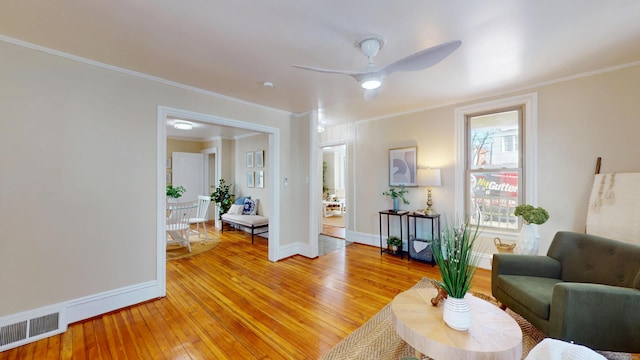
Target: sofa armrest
[
  {"x": 525, "y": 265},
  {"x": 603, "y": 316}
]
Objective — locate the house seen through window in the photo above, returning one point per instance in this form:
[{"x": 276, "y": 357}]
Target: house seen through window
[{"x": 494, "y": 167}]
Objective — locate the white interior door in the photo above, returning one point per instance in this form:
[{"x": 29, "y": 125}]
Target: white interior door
[{"x": 188, "y": 171}]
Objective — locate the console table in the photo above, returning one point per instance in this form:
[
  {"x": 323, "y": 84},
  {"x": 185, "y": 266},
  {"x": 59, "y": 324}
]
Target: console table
[{"x": 388, "y": 214}]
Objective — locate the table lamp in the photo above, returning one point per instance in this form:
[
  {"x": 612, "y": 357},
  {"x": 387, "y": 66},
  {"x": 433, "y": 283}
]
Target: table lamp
[{"x": 429, "y": 177}]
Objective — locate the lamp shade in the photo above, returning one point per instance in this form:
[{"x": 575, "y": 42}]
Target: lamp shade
[{"x": 429, "y": 177}]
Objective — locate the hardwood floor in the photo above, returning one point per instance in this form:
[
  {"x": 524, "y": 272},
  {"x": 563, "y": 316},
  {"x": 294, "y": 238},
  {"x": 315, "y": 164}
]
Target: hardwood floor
[
  {"x": 232, "y": 303},
  {"x": 337, "y": 232}
]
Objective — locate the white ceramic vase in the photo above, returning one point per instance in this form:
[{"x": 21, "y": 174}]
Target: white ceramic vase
[
  {"x": 527, "y": 243},
  {"x": 457, "y": 313}
]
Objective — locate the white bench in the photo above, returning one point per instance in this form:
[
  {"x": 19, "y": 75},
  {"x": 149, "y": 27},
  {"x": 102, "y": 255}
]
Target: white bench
[{"x": 252, "y": 222}]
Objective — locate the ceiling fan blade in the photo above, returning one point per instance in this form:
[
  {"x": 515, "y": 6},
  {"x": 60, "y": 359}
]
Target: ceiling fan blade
[
  {"x": 328, "y": 71},
  {"x": 423, "y": 59}
]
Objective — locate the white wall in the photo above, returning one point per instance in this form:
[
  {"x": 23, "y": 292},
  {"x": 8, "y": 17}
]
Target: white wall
[
  {"x": 78, "y": 179},
  {"x": 578, "y": 120},
  {"x": 243, "y": 146}
]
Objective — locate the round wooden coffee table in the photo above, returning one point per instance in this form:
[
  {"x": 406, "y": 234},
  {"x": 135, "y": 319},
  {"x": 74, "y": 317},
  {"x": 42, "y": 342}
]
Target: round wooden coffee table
[{"x": 493, "y": 333}]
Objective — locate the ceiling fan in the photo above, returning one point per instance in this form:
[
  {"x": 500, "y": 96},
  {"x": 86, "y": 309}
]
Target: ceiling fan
[{"x": 371, "y": 78}]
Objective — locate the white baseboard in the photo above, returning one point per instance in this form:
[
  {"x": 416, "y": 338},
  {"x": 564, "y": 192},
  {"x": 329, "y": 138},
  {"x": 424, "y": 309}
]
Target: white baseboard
[
  {"x": 94, "y": 305},
  {"x": 362, "y": 238},
  {"x": 57, "y": 317},
  {"x": 298, "y": 248}
]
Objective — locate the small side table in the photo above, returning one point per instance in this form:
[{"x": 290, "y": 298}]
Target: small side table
[
  {"x": 426, "y": 253},
  {"x": 389, "y": 214}
]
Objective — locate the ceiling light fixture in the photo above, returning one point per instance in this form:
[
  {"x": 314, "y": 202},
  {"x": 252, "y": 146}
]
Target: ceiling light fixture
[
  {"x": 371, "y": 83},
  {"x": 183, "y": 125}
]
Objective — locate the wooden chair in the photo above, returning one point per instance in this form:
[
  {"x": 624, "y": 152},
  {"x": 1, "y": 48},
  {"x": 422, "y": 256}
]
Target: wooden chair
[
  {"x": 178, "y": 225},
  {"x": 201, "y": 215}
]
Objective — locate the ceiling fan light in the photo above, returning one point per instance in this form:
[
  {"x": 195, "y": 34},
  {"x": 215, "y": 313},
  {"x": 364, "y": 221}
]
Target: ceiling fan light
[
  {"x": 371, "y": 84},
  {"x": 183, "y": 125}
]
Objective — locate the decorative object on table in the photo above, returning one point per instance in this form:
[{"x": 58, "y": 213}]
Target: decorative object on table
[
  {"x": 453, "y": 252},
  {"x": 397, "y": 193},
  {"x": 402, "y": 166},
  {"x": 503, "y": 248},
  {"x": 527, "y": 243},
  {"x": 429, "y": 177},
  {"x": 442, "y": 294},
  {"x": 222, "y": 197},
  {"x": 175, "y": 192},
  {"x": 394, "y": 243}
]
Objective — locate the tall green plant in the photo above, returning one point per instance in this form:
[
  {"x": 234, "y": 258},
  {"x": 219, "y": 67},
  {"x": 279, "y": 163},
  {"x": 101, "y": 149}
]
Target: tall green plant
[
  {"x": 455, "y": 257},
  {"x": 222, "y": 196}
]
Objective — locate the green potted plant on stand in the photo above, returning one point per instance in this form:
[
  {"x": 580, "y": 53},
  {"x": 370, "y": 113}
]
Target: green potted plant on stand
[
  {"x": 527, "y": 242},
  {"x": 222, "y": 197},
  {"x": 174, "y": 192},
  {"x": 457, "y": 262},
  {"x": 395, "y": 243},
  {"x": 397, "y": 193}
]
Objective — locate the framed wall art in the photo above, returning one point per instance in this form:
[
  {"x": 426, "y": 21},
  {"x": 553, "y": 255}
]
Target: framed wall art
[
  {"x": 403, "y": 166},
  {"x": 250, "y": 179},
  {"x": 260, "y": 158},
  {"x": 260, "y": 179},
  {"x": 250, "y": 159}
]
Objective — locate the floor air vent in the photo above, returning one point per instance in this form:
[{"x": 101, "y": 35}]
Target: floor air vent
[
  {"x": 21, "y": 332},
  {"x": 12, "y": 333},
  {"x": 43, "y": 324}
]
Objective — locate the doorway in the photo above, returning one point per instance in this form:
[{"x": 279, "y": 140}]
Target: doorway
[
  {"x": 334, "y": 198},
  {"x": 164, "y": 114}
]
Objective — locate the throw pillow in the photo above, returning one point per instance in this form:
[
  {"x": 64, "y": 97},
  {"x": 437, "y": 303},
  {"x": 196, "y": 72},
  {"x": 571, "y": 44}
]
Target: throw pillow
[
  {"x": 249, "y": 207},
  {"x": 236, "y": 209},
  {"x": 240, "y": 200}
]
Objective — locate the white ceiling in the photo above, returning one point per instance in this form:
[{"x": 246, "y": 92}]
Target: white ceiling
[{"x": 232, "y": 47}]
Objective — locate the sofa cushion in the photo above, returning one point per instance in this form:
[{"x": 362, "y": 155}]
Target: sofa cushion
[
  {"x": 236, "y": 209},
  {"x": 532, "y": 292},
  {"x": 250, "y": 207},
  {"x": 246, "y": 220},
  {"x": 240, "y": 200},
  {"x": 594, "y": 259}
]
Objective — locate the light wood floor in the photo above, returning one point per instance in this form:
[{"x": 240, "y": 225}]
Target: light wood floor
[
  {"x": 232, "y": 303},
  {"x": 338, "y": 232}
]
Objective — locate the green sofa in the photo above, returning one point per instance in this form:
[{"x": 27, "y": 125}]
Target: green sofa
[{"x": 586, "y": 290}]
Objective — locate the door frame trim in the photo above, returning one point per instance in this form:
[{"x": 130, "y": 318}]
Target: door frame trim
[{"x": 161, "y": 200}]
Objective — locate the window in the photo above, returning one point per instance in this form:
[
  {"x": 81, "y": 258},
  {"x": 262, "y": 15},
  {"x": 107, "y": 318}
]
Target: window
[
  {"x": 493, "y": 175},
  {"x": 509, "y": 143},
  {"x": 495, "y": 162}
]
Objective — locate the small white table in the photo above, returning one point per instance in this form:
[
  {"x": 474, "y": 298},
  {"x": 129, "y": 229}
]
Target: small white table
[
  {"x": 330, "y": 206},
  {"x": 493, "y": 333}
]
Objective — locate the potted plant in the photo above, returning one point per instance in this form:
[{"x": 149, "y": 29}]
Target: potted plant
[
  {"x": 397, "y": 193},
  {"x": 527, "y": 242},
  {"x": 222, "y": 197},
  {"x": 394, "y": 243},
  {"x": 175, "y": 192},
  {"x": 453, "y": 252}
]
